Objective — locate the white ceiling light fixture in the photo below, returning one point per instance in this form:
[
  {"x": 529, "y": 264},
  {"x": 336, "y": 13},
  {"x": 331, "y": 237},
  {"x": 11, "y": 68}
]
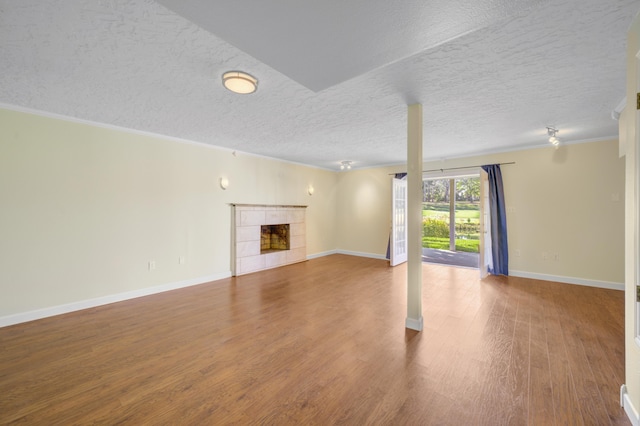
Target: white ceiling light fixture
[
  {"x": 239, "y": 82},
  {"x": 553, "y": 139},
  {"x": 345, "y": 165}
]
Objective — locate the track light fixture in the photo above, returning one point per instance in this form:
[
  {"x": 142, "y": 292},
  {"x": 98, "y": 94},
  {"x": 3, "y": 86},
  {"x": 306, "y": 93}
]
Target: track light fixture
[
  {"x": 345, "y": 165},
  {"x": 552, "y": 136}
]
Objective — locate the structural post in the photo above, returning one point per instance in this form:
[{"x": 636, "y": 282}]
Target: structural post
[
  {"x": 452, "y": 214},
  {"x": 414, "y": 319}
]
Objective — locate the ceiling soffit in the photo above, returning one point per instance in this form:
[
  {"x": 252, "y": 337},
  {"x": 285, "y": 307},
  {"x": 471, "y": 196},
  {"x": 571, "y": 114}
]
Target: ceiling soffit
[{"x": 320, "y": 44}]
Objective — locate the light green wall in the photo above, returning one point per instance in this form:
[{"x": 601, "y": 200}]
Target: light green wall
[
  {"x": 558, "y": 201},
  {"x": 85, "y": 208}
]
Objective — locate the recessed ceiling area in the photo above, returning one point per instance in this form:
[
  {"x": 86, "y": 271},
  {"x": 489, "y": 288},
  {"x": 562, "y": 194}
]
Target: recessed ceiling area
[
  {"x": 335, "y": 78},
  {"x": 320, "y": 44}
]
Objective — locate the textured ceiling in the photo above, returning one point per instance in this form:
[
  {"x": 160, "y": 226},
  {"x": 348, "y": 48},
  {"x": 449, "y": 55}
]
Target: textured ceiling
[{"x": 490, "y": 79}]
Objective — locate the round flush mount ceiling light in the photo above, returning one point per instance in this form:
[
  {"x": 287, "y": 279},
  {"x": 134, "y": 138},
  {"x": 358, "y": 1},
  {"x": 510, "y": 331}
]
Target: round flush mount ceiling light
[{"x": 239, "y": 82}]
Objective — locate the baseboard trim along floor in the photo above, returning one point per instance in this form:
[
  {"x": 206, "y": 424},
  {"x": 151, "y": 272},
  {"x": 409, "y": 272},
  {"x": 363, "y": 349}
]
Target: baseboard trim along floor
[{"x": 105, "y": 300}]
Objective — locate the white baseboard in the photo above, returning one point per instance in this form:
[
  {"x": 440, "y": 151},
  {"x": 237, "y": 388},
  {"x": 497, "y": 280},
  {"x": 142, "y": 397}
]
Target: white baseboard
[
  {"x": 521, "y": 274},
  {"x": 321, "y": 254},
  {"x": 105, "y": 300},
  {"x": 362, "y": 254},
  {"x": 347, "y": 252},
  {"x": 625, "y": 402},
  {"x": 568, "y": 280}
]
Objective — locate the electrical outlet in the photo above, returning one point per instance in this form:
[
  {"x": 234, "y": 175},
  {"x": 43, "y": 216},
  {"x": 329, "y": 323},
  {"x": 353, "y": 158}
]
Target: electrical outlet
[
  {"x": 181, "y": 260},
  {"x": 556, "y": 257},
  {"x": 152, "y": 265},
  {"x": 545, "y": 255}
]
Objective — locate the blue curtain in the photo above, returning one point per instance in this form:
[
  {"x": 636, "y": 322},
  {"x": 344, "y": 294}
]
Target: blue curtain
[
  {"x": 397, "y": 176},
  {"x": 497, "y": 212}
]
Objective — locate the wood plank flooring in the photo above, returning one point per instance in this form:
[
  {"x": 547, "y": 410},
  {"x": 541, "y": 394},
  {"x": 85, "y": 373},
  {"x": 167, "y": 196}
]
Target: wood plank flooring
[{"x": 323, "y": 342}]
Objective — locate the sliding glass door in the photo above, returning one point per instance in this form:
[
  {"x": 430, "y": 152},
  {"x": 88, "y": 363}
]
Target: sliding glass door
[{"x": 452, "y": 220}]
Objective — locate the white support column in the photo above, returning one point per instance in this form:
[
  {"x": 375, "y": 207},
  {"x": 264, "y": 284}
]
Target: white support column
[
  {"x": 414, "y": 319},
  {"x": 452, "y": 214}
]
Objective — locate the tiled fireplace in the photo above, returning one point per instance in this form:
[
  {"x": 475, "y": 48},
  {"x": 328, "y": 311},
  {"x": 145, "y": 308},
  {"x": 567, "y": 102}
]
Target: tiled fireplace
[{"x": 266, "y": 236}]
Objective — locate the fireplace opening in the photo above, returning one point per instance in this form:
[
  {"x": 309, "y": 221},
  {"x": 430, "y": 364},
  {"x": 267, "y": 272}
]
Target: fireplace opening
[{"x": 274, "y": 238}]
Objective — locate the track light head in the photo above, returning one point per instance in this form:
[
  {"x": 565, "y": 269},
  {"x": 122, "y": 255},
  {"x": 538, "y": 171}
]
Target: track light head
[{"x": 553, "y": 139}]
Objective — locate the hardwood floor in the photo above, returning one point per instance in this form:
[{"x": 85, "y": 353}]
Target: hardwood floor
[{"x": 323, "y": 342}]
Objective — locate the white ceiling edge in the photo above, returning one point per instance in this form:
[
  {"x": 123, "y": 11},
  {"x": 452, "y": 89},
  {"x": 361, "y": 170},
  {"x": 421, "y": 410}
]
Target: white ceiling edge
[
  {"x": 545, "y": 145},
  {"x": 541, "y": 145},
  {"x": 76, "y": 120},
  {"x": 46, "y": 114}
]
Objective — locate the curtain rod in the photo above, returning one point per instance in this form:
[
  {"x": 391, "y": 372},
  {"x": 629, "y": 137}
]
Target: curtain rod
[
  {"x": 459, "y": 168},
  {"x": 467, "y": 167}
]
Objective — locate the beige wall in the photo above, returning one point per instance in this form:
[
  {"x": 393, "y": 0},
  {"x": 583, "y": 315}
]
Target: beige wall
[
  {"x": 85, "y": 208},
  {"x": 364, "y": 213},
  {"x": 568, "y": 201},
  {"x": 628, "y": 133}
]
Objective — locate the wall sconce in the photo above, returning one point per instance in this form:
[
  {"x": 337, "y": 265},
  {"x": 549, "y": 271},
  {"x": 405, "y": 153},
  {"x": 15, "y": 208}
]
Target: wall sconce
[
  {"x": 345, "y": 165},
  {"x": 224, "y": 183},
  {"x": 310, "y": 190}
]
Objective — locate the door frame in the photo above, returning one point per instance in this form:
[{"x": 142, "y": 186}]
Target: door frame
[{"x": 398, "y": 250}]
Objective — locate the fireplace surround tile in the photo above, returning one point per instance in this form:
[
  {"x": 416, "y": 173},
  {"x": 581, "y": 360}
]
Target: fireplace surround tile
[
  {"x": 251, "y": 264},
  {"x": 246, "y": 233},
  {"x": 248, "y": 248},
  {"x": 296, "y": 255},
  {"x": 273, "y": 260},
  {"x": 275, "y": 217},
  {"x": 297, "y": 241},
  {"x": 295, "y": 216},
  {"x": 247, "y": 220},
  {"x": 298, "y": 229}
]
